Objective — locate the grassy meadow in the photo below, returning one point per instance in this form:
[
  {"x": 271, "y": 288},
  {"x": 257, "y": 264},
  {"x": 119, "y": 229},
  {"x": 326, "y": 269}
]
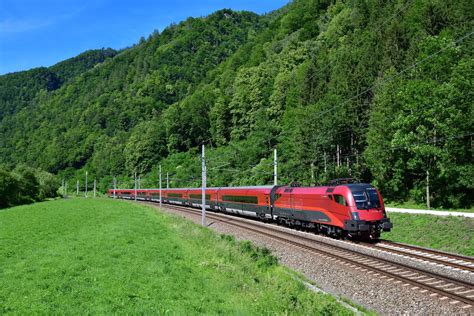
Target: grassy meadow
[
  {"x": 447, "y": 233},
  {"x": 102, "y": 256}
]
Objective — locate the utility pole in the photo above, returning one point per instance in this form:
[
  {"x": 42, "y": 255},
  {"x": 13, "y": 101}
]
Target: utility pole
[
  {"x": 160, "y": 186},
  {"x": 95, "y": 187},
  {"x": 167, "y": 180},
  {"x": 428, "y": 189},
  {"x": 313, "y": 181},
  {"x": 139, "y": 183},
  {"x": 325, "y": 164},
  {"x": 338, "y": 158},
  {"x": 77, "y": 188},
  {"x": 203, "y": 197},
  {"x": 62, "y": 185},
  {"x": 275, "y": 167},
  {"x": 135, "y": 180},
  {"x": 65, "y": 189},
  {"x": 115, "y": 186},
  {"x": 85, "y": 192}
]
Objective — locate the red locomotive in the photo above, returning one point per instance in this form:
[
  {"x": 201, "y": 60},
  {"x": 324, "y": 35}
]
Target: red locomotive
[{"x": 341, "y": 208}]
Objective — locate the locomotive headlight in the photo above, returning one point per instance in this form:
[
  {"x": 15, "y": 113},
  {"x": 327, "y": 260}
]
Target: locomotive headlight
[{"x": 355, "y": 215}]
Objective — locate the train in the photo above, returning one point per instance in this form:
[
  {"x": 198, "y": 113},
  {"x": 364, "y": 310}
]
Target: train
[{"x": 342, "y": 208}]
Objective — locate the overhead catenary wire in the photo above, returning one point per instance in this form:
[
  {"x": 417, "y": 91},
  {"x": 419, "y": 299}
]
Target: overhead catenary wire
[
  {"x": 398, "y": 74},
  {"x": 386, "y": 80},
  {"x": 390, "y": 78},
  {"x": 375, "y": 85},
  {"x": 390, "y": 149},
  {"x": 396, "y": 14},
  {"x": 411, "y": 146}
]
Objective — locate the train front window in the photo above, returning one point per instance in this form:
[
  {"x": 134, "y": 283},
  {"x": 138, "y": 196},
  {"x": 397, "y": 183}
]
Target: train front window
[
  {"x": 373, "y": 197},
  {"x": 360, "y": 198},
  {"x": 366, "y": 199}
]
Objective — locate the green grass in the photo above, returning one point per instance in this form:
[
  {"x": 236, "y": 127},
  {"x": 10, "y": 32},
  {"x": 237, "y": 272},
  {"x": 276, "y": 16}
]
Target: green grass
[
  {"x": 102, "y": 256},
  {"x": 418, "y": 206},
  {"x": 447, "y": 233}
]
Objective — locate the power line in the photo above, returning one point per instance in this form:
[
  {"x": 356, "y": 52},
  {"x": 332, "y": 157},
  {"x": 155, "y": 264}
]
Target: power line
[
  {"x": 399, "y": 73},
  {"x": 378, "y": 83},
  {"x": 388, "y": 79},
  {"x": 357, "y": 43},
  {"x": 391, "y": 149}
]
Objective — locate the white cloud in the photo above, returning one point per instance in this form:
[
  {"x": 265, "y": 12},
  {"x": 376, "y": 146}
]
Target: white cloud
[
  {"x": 11, "y": 25},
  {"x": 15, "y": 25}
]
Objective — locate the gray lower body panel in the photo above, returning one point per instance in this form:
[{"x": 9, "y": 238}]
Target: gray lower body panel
[{"x": 302, "y": 215}]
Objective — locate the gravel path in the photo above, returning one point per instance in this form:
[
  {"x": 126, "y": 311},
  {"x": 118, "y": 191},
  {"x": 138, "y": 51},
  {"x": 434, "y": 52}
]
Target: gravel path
[
  {"x": 341, "y": 280},
  {"x": 428, "y": 212}
]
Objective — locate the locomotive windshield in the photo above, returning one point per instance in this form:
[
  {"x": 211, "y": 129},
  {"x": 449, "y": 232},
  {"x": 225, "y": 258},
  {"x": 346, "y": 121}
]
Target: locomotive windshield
[{"x": 366, "y": 198}]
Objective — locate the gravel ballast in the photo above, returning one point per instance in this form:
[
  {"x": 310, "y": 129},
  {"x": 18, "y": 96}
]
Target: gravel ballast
[{"x": 340, "y": 279}]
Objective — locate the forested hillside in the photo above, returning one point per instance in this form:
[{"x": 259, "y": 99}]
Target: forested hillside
[
  {"x": 378, "y": 90},
  {"x": 17, "y": 90}
]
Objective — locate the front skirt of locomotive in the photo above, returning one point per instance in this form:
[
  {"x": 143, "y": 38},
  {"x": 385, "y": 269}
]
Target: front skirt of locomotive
[{"x": 362, "y": 227}]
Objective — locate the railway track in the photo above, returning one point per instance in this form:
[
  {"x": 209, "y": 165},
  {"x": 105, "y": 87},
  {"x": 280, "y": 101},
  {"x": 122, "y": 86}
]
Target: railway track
[
  {"x": 454, "y": 261},
  {"x": 443, "y": 287},
  {"x": 425, "y": 255}
]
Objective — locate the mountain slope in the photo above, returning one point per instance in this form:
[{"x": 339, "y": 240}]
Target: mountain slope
[
  {"x": 101, "y": 105},
  {"x": 18, "y": 89},
  {"x": 381, "y": 91},
  {"x": 377, "y": 91}
]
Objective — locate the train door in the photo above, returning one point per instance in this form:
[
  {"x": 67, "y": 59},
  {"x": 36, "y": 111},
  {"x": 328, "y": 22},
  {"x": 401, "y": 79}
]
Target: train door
[
  {"x": 267, "y": 209},
  {"x": 216, "y": 201}
]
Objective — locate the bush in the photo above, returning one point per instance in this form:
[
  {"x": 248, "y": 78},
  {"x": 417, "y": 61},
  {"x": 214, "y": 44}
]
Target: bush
[
  {"x": 26, "y": 185},
  {"x": 29, "y": 187},
  {"x": 48, "y": 185},
  {"x": 9, "y": 188}
]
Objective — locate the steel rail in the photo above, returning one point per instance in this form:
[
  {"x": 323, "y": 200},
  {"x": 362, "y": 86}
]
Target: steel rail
[
  {"x": 425, "y": 254},
  {"x": 427, "y": 250},
  {"x": 431, "y": 281}
]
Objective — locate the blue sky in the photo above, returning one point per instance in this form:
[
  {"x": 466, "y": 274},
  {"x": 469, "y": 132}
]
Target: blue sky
[{"x": 37, "y": 33}]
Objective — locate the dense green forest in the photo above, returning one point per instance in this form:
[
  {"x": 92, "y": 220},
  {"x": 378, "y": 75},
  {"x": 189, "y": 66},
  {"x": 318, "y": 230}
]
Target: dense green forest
[
  {"x": 377, "y": 90},
  {"x": 18, "y": 90}
]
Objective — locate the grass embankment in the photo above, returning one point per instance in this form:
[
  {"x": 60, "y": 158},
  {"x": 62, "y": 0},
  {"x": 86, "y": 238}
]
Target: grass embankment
[
  {"x": 104, "y": 256},
  {"x": 447, "y": 233}
]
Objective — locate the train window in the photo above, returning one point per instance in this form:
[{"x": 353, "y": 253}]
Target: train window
[
  {"x": 366, "y": 199},
  {"x": 373, "y": 197},
  {"x": 340, "y": 199},
  {"x": 199, "y": 196},
  {"x": 176, "y": 195},
  {"x": 240, "y": 199},
  {"x": 360, "y": 198}
]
